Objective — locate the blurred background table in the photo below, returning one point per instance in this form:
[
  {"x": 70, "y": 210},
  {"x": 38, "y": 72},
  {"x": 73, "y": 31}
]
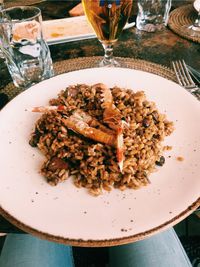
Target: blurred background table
[{"x": 160, "y": 47}]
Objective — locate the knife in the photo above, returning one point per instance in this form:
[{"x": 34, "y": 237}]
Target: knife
[{"x": 195, "y": 74}]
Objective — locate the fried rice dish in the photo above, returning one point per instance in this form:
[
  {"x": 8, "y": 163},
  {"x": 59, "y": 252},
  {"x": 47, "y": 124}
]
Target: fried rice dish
[{"x": 100, "y": 137}]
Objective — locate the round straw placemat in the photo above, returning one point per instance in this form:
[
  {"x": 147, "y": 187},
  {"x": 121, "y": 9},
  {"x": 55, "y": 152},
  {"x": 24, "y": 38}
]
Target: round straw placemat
[
  {"x": 182, "y": 17},
  {"x": 92, "y": 62}
]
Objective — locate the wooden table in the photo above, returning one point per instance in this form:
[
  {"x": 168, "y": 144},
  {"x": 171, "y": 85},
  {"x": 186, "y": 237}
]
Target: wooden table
[{"x": 161, "y": 47}]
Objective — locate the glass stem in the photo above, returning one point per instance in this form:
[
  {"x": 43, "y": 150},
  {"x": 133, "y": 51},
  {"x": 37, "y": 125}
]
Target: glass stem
[
  {"x": 197, "y": 21},
  {"x": 108, "y": 56}
]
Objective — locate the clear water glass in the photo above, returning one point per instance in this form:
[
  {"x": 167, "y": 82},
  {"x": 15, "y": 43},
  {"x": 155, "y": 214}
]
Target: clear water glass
[
  {"x": 22, "y": 44},
  {"x": 194, "y": 29},
  {"x": 152, "y": 14}
]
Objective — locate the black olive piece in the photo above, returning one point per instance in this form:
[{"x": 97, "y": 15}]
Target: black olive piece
[
  {"x": 34, "y": 139},
  {"x": 155, "y": 116},
  {"x": 156, "y": 136},
  {"x": 140, "y": 131},
  {"x": 146, "y": 123},
  {"x": 3, "y": 100},
  {"x": 161, "y": 162}
]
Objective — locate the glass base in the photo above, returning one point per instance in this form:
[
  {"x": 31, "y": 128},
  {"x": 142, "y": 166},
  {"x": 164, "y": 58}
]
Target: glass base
[
  {"x": 192, "y": 30},
  {"x": 108, "y": 60},
  {"x": 109, "y": 63}
]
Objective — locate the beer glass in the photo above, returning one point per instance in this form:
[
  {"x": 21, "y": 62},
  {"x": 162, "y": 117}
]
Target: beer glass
[{"x": 108, "y": 18}]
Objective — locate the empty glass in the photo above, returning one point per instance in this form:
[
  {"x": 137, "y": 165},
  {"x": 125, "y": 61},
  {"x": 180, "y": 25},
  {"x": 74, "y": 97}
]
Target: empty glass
[
  {"x": 152, "y": 14},
  {"x": 21, "y": 40}
]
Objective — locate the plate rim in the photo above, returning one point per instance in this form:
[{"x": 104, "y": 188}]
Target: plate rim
[{"x": 104, "y": 242}]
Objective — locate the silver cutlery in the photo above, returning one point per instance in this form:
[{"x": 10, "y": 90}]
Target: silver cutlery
[
  {"x": 194, "y": 73},
  {"x": 184, "y": 78}
]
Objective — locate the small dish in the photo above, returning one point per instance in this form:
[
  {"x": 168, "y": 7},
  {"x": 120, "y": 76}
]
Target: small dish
[{"x": 69, "y": 29}]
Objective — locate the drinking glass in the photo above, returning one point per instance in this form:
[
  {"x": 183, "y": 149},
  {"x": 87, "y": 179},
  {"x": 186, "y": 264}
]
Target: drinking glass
[
  {"x": 152, "y": 14},
  {"x": 194, "y": 29},
  {"x": 108, "y": 18},
  {"x": 26, "y": 53}
]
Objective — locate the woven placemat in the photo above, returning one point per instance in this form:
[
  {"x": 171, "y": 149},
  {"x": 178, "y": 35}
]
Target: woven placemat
[
  {"x": 182, "y": 17},
  {"x": 91, "y": 62}
]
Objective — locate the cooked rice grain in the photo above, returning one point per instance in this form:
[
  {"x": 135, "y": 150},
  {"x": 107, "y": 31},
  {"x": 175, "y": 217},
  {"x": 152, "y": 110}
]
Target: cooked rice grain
[{"x": 94, "y": 165}]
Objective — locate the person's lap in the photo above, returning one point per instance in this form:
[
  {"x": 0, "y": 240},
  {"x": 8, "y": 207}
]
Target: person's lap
[
  {"x": 23, "y": 250},
  {"x": 161, "y": 250}
]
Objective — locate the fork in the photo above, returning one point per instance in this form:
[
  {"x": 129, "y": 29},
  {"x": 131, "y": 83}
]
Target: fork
[{"x": 184, "y": 78}]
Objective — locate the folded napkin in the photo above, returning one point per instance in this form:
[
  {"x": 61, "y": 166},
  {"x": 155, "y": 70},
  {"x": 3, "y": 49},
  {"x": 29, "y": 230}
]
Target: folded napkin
[{"x": 77, "y": 11}]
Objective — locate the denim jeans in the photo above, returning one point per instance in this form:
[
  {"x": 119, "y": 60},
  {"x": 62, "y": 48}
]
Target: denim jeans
[{"x": 161, "y": 250}]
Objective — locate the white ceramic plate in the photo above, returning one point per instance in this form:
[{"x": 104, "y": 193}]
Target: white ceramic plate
[
  {"x": 69, "y": 29},
  {"x": 196, "y": 5},
  {"x": 70, "y": 215}
]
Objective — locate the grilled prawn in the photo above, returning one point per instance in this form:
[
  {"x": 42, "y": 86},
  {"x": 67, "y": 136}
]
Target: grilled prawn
[
  {"x": 112, "y": 117},
  {"x": 88, "y": 126}
]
